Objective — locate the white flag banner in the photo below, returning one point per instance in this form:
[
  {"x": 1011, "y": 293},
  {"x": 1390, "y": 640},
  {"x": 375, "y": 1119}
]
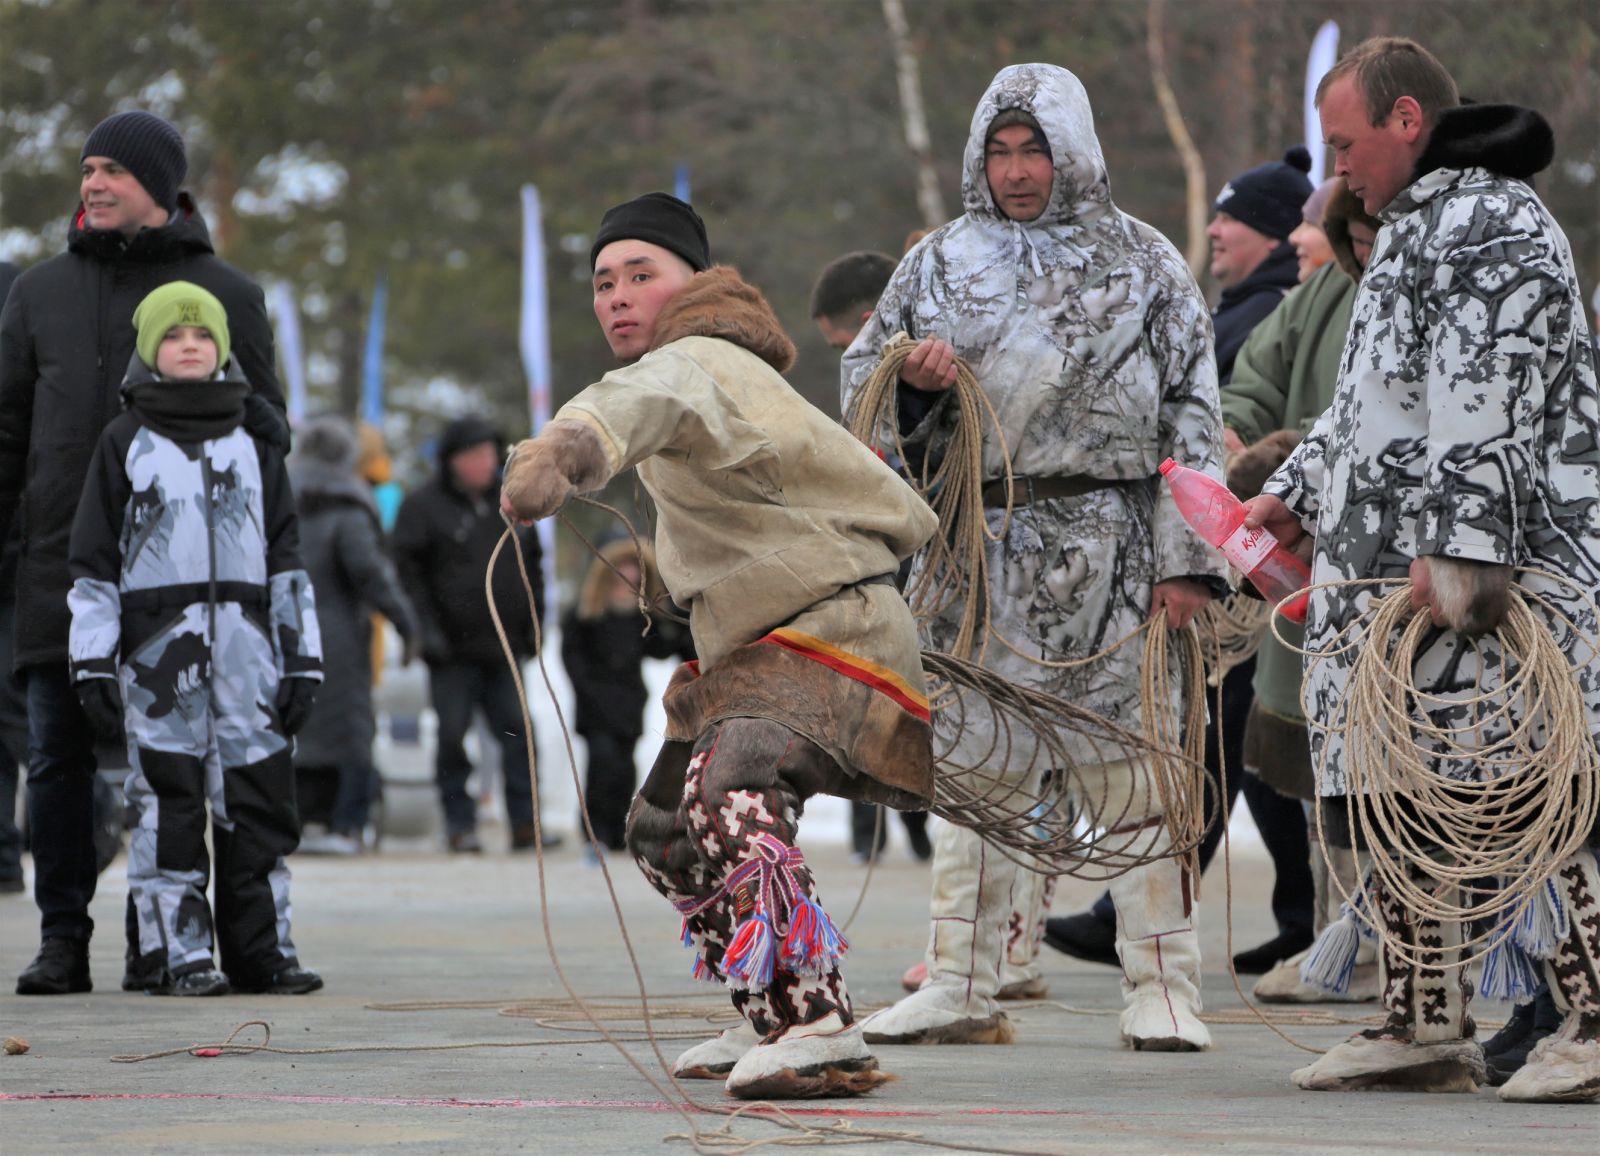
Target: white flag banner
[
  {"x": 534, "y": 341},
  {"x": 291, "y": 349},
  {"x": 1324, "y": 51}
]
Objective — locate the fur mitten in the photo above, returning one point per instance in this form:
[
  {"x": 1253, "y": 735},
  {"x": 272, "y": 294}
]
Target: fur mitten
[
  {"x": 1253, "y": 465},
  {"x": 543, "y": 472},
  {"x": 1471, "y": 597}
]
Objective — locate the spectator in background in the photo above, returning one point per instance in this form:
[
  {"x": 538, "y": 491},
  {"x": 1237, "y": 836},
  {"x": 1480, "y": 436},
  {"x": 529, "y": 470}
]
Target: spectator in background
[
  {"x": 1251, "y": 257},
  {"x": 342, "y": 546},
  {"x": 443, "y": 537},
  {"x": 13, "y": 705},
  {"x": 843, "y": 298},
  {"x": 66, "y": 337},
  {"x": 603, "y": 644}
]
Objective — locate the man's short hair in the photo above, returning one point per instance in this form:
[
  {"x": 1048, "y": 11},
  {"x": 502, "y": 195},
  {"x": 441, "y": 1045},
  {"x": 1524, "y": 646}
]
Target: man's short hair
[
  {"x": 851, "y": 284},
  {"x": 1385, "y": 68}
]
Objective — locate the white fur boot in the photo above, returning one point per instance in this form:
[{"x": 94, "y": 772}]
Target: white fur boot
[
  {"x": 807, "y": 1061},
  {"x": 1020, "y": 977},
  {"x": 1427, "y": 1044},
  {"x": 1565, "y": 1066},
  {"x": 1160, "y": 955},
  {"x": 715, "y": 1058},
  {"x": 974, "y": 892},
  {"x": 1284, "y": 983}
]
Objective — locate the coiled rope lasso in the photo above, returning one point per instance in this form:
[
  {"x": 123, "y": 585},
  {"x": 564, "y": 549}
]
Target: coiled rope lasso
[
  {"x": 1534, "y": 791},
  {"x": 956, "y": 566},
  {"x": 1048, "y": 813}
]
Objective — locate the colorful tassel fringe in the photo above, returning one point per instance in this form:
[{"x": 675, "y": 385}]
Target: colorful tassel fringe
[
  {"x": 813, "y": 944},
  {"x": 752, "y": 955}
]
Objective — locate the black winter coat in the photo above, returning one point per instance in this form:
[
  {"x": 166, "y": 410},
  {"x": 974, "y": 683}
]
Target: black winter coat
[
  {"x": 1247, "y": 304},
  {"x": 66, "y": 336},
  {"x": 602, "y": 657},
  {"x": 442, "y": 543},
  {"x": 342, "y": 547}
]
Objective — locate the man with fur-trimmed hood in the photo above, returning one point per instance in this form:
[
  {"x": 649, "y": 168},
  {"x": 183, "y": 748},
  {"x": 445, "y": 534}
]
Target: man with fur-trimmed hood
[
  {"x": 1093, "y": 344},
  {"x": 781, "y": 534}
]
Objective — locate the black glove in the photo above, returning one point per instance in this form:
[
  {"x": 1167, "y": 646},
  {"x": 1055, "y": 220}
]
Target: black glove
[
  {"x": 102, "y": 702},
  {"x": 295, "y": 697},
  {"x": 264, "y": 420}
]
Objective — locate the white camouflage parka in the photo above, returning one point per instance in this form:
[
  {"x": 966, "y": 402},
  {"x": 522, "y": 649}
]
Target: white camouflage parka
[
  {"x": 1465, "y": 423},
  {"x": 1094, "y": 345}
]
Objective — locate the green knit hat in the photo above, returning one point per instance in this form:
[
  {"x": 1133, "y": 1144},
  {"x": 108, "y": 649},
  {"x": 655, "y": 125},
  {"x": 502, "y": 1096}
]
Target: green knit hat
[{"x": 179, "y": 303}]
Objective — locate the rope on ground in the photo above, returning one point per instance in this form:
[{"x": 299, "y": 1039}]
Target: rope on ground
[{"x": 1525, "y": 738}]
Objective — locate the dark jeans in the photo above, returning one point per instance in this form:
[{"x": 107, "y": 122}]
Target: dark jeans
[
  {"x": 864, "y": 821},
  {"x": 1280, "y": 819},
  {"x": 458, "y": 690},
  {"x": 61, "y": 782},
  {"x": 340, "y": 798},
  {"x": 609, "y": 784},
  {"x": 358, "y": 786}
]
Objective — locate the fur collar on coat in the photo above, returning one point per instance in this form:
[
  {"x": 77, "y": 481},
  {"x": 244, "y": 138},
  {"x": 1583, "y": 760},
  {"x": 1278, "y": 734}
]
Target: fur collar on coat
[{"x": 720, "y": 303}]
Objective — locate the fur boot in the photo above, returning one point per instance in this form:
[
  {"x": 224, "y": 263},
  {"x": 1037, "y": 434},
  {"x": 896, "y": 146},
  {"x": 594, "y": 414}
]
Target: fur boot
[
  {"x": 824, "y": 1058},
  {"x": 975, "y": 889},
  {"x": 1284, "y": 983},
  {"x": 1020, "y": 977},
  {"x": 715, "y": 1058},
  {"x": 1160, "y": 955},
  {"x": 1565, "y": 1067},
  {"x": 1427, "y": 1045}
]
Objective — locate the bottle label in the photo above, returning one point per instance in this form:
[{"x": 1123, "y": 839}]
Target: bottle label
[{"x": 1247, "y": 548}]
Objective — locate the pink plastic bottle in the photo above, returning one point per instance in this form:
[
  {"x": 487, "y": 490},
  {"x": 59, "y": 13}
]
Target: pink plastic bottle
[{"x": 1218, "y": 517}]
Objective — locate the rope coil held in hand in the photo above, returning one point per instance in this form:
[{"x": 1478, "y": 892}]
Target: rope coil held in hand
[{"x": 1539, "y": 794}]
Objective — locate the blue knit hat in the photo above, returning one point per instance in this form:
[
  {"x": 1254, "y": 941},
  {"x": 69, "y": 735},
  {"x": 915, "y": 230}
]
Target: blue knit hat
[
  {"x": 148, "y": 147},
  {"x": 1269, "y": 197}
]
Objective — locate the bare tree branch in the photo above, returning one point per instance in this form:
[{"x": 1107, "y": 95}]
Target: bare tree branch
[
  {"x": 929, "y": 202},
  {"x": 1194, "y": 168}
]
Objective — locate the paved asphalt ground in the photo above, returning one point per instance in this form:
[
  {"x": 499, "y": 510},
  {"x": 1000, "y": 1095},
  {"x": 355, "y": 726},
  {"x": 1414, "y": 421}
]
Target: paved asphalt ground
[{"x": 412, "y": 925}]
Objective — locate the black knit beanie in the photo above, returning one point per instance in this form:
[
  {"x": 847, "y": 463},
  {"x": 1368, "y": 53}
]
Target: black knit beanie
[
  {"x": 660, "y": 219},
  {"x": 1269, "y": 197},
  {"x": 148, "y": 147}
]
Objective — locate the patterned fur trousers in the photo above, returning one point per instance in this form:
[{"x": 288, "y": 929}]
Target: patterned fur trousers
[{"x": 726, "y": 859}]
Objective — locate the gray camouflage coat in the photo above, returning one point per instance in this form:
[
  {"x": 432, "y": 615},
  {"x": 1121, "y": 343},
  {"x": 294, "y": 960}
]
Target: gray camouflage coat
[
  {"x": 1465, "y": 425},
  {"x": 1094, "y": 345}
]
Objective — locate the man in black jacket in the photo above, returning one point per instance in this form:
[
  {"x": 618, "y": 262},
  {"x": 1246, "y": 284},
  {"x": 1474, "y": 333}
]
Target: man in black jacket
[
  {"x": 66, "y": 337},
  {"x": 1251, "y": 257},
  {"x": 443, "y": 537}
]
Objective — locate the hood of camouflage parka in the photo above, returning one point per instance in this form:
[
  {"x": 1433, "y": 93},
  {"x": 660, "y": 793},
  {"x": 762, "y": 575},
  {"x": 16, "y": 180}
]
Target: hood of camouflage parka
[{"x": 1081, "y": 192}]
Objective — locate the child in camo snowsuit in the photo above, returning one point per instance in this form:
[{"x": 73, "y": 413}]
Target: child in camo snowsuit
[{"x": 194, "y": 628}]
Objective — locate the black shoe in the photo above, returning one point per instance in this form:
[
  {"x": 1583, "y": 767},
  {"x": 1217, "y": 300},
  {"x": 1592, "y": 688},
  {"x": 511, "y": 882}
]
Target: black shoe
[
  {"x": 465, "y": 843},
  {"x": 292, "y": 980},
  {"x": 1084, "y": 936},
  {"x": 60, "y": 968},
  {"x": 1528, "y": 1025},
  {"x": 1260, "y": 960},
  {"x": 12, "y": 886}
]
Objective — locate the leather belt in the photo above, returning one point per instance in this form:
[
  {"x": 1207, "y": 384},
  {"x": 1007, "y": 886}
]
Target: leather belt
[{"x": 1026, "y": 489}]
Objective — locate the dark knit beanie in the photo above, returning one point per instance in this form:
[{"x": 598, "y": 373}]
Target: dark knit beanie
[
  {"x": 148, "y": 147},
  {"x": 1269, "y": 197},
  {"x": 660, "y": 219}
]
